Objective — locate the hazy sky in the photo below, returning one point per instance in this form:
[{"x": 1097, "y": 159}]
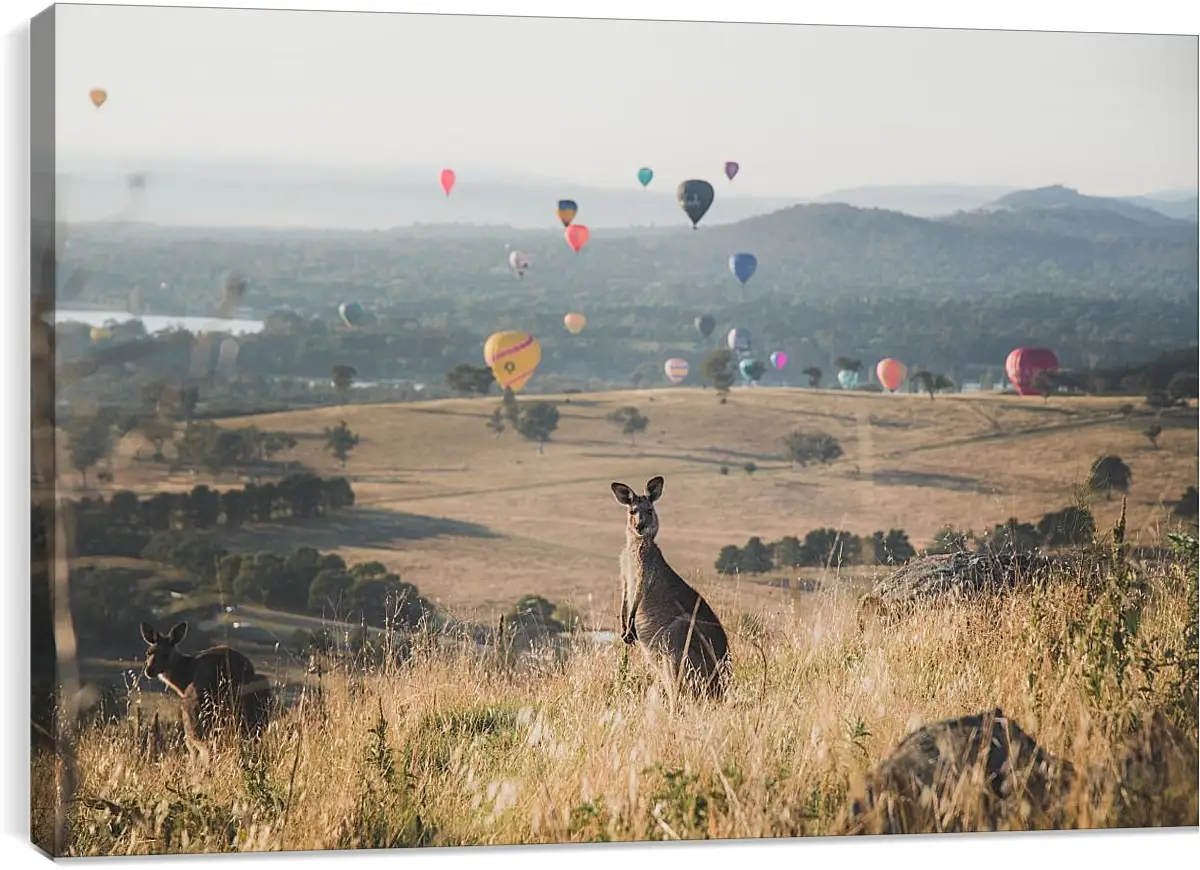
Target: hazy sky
[{"x": 804, "y": 109}]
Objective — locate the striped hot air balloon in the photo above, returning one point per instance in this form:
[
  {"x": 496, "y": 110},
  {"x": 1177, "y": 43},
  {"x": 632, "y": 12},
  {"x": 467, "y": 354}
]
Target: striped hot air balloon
[
  {"x": 513, "y": 357},
  {"x": 676, "y": 369}
]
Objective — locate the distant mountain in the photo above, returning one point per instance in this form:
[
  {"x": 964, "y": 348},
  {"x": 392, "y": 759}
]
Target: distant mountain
[
  {"x": 873, "y": 250},
  {"x": 1059, "y": 197},
  {"x": 920, "y": 200},
  {"x": 1095, "y": 223},
  {"x": 1185, "y": 208}
]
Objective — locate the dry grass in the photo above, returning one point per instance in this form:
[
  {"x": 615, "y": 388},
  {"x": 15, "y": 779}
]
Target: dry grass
[
  {"x": 477, "y": 521},
  {"x": 453, "y": 746}
]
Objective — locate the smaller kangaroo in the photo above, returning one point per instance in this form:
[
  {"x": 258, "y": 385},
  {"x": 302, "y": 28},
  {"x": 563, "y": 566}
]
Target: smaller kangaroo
[
  {"x": 218, "y": 683},
  {"x": 660, "y": 609}
]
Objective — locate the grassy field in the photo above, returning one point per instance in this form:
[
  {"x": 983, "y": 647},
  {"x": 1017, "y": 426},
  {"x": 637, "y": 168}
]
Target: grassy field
[
  {"x": 458, "y": 744},
  {"x": 477, "y": 521}
]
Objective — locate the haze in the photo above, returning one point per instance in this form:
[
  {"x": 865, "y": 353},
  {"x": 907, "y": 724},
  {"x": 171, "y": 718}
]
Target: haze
[{"x": 804, "y": 109}]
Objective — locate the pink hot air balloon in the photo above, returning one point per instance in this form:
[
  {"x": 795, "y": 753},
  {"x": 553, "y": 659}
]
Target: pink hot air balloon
[
  {"x": 1024, "y": 364},
  {"x": 779, "y": 359},
  {"x": 891, "y": 373},
  {"x": 731, "y": 169},
  {"x": 577, "y": 236},
  {"x": 447, "y": 180},
  {"x": 676, "y": 369}
]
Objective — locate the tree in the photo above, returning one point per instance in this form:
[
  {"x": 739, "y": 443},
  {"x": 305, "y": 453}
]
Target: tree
[
  {"x": 756, "y": 557},
  {"x": 343, "y": 378},
  {"x": 788, "y": 552},
  {"x": 469, "y": 380},
  {"x": 814, "y": 376},
  {"x": 1070, "y": 527},
  {"x": 1188, "y": 505},
  {"x": 806, "y": 448},
  {"x": 1012, "y": 536},
  {"x": 831, "y": 547},
  {"x": 1184, "y": 386},
  {"x": 931, "y": 383},
  {"x": 511, "y": 408},
  {"x": 538, "y": 420},
  {"x": 630, "y": 421},
  {"x": 1109, "y": 473},
  {"x": 847, "y": 364},
  {"x": 717, "y": 368},
  {"x": 496, "y": 422},
  {"x": 729, "y": 560},
  {"x": 1159, "y": 401},
  {"x": 340, "y": 440},
  {"x": 89, "y": 441},
  {"x": 1152, "y": 432},
  {"x": 535, "y": 615},
  {"x": 1045, "y": 383},
  {"x": 892, "y": 548},
  {"x": 950, "y": 540}
]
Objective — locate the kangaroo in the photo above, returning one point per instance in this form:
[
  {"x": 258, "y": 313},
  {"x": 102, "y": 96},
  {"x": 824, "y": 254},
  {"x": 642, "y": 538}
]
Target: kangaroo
[
  {"x": 660, "y": 609},
  {"x": 217, "y": 683}
]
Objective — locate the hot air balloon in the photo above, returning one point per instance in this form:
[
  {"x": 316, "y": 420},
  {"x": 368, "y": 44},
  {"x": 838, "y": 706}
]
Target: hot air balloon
[
  {"x": 742, "y": 266},
  {"x": 352, "y": 314},
  {"x": 749, "y": 367},
  {"x": 99, "y": 333},
  {"x": 513, "y": 357},
  {"x": 99, "y": 96},
  {"x": 644, "y": 175},
  {"x": 891, "y": 373},
  {"x": 447, "y": 179},
  {"x": 519, "y": 262},
  {"x": 705, "y": 324},
  {"x": 848, "y": 378},
  {"x": 575, "y": 323},
  {"x": 567, "y": 209},
  {"x": 676, "y": 369},
  {"x": 779, "y": 359},
  {"x": 695, "y": 197},
  {"x": 731, "y": 169},
  {"x": 227, "y": 355},
  {"x": 1024, "y": 364},
  {"x": 577, "y": 236},
  {"x": 739, "y": 339}
]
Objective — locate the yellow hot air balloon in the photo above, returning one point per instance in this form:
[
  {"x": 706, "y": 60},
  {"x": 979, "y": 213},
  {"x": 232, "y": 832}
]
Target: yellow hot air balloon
[
  {"x": 98, "y": 95},
  {"x": 575, "y": 323},
  {"x": 99, "y": 332},
  {"x": 513, "y": 357}
]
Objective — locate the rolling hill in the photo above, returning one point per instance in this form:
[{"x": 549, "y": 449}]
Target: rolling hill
[{"x": 477, "y": 521}]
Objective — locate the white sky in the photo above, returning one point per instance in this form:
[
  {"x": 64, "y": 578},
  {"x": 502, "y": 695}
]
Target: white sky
[{"x": 803, "y": 109}]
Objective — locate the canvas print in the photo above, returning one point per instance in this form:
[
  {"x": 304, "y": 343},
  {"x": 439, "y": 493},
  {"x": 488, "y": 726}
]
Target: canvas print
[{"x": 468, "y": 430}]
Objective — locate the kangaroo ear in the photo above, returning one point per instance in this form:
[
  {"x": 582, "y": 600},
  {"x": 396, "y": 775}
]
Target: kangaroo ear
[
  {"x": 654, "y": 488},
  {"x": 624, "y": 494},
  {"x": 149, "y": 635},
  {"x": 177, "y": 634}
]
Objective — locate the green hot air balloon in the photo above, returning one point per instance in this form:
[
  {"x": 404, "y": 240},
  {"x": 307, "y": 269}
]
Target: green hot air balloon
[
  {"x": 645, "y": 174},
  {"x": 695, "y": 198}
]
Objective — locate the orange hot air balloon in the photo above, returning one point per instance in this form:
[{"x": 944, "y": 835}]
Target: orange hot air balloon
[
  {"x": 98, "y": 95},
  {"x": 447, "y": 180},
  {"x": 891, "y": 373},
  {"x": 575, "y": 323},
  {"x": 577, "y": 236}
]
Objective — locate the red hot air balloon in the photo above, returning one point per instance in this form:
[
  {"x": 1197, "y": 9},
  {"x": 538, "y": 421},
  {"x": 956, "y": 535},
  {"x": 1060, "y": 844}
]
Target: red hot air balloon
[
  {"x": 447, "y": 180},
  {"x": 577, "y": 236},
  {"x": 1023, "y": 365},
  {"x": 891, "y": 373}
]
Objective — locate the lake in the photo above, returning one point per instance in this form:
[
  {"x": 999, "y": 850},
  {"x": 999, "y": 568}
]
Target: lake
[{"x": 159, "y": 322}]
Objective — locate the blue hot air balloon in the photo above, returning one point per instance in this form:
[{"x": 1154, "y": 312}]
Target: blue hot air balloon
[
  {"x": 848, "y": 379},
  {"x": 645, "y": 174},
  {"x": 742, "y": 266}
]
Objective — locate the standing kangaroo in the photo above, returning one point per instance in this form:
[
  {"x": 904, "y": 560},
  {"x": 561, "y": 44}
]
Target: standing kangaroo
[
  {"x": 216, "y": 684},
  {"x": 660, "y": 609}
]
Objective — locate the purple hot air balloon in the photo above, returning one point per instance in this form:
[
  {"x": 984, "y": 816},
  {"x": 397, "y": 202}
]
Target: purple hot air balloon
[
  {"x": 779, "y": 359},
  {"x": 731, "y": 169}
]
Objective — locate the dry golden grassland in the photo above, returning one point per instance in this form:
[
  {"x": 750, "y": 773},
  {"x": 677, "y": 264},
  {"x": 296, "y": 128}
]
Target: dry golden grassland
[
  {"x": 461, "y": 746},
  {"x": 477, "y": 521},
  {"x": 457, "y": 744}
]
